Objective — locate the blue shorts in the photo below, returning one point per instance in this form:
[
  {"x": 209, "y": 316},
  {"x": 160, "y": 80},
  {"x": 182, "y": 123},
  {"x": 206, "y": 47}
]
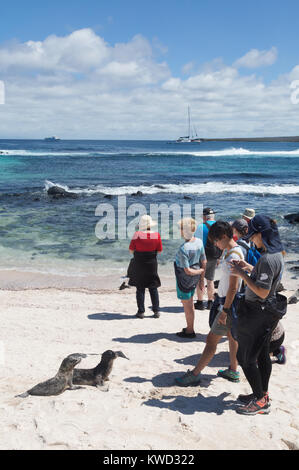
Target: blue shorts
[{"x": 184, "y": 295}]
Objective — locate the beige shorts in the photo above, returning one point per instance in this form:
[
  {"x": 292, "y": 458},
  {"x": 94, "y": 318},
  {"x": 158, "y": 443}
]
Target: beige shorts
[{"x": 220, "y": 329}]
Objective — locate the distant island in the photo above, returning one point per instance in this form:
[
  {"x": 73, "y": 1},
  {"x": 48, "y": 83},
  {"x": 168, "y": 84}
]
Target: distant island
[{"x": 254, "y": 139}]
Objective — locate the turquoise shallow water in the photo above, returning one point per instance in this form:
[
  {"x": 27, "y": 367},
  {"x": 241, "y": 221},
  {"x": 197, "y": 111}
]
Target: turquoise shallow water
[{"x": 39, "y": 232}]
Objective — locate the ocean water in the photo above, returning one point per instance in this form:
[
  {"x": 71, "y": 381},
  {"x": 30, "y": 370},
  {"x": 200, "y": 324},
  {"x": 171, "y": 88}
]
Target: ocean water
[{"x": 38, "y": 232}]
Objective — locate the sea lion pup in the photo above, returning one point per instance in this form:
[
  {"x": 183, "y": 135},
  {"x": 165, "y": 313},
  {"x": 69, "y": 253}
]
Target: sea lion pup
[
  {"x": 100, "y": 373},
  {"x": 62, "y": 381}
]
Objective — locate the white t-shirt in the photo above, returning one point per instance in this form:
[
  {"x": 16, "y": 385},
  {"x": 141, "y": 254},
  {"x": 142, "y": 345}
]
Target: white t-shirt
[{"x": 224, "y": 269}]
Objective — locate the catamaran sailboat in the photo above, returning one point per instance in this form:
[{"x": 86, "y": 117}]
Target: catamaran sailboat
[{"x": 192, "y": 134}]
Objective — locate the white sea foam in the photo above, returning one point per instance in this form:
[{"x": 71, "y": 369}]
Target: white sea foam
[
  {"x": 197, "y": 188},
  {"x": 40, "y": 154},
  {"x": 228, "y": 152}
]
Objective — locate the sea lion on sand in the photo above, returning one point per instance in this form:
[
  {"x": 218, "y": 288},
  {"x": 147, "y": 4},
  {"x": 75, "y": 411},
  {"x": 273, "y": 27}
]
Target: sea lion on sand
[
  {"x": 100, "y": 373},
  {"x": 62, "y": 381}
]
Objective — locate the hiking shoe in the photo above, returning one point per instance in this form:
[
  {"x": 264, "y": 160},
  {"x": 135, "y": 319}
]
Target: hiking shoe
[
  {"x": 199, "y": 305},
  {"x": 255, "y": 407},
  {"x": 231, "y": 375},
  {"x": 156, "y": 314},
  {"x": 281, "y": 357},
  {"x": 246, "y": 399},
  {"x": 210, "y": 303},
  {"x": 188, "y": 380},
  {"x": 183, "y": 334},
  {"x": 140, "y": 314}
]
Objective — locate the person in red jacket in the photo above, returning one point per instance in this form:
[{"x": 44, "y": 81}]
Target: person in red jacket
[{"x": 143, "y": 269}]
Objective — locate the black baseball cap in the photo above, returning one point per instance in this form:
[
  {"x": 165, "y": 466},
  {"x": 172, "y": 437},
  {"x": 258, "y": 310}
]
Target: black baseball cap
[
  {"x": 208, "y": 211},
  {"x": 258, "y": 224},
  {"x": 268, "y": 229}
]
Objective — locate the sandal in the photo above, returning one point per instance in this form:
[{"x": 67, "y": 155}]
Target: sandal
[{"x": 183, "y": 334}]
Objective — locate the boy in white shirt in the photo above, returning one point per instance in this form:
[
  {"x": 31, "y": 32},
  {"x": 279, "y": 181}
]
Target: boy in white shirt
[{"x": 222, "y": 314}]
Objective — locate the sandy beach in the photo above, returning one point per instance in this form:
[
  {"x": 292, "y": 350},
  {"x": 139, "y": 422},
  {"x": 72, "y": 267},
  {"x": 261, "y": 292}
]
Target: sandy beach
[
  {"x": 143, "y": 409},
  {"x": 119, "y": 121}
]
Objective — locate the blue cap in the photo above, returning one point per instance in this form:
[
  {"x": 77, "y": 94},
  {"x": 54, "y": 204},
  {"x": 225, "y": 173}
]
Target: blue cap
[{"x": 268, "y": 229}]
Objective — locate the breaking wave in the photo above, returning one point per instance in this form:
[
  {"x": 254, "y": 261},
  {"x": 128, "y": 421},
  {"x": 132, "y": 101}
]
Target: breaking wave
[
  {"x": 229, "y": 152},
  {"x": 197, "y": 188}
]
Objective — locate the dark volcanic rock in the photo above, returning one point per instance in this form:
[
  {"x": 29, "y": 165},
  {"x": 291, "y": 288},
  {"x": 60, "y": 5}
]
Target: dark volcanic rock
[
  {"x": 57, "y": 192},
  {"x": 139, "y": 193},
  {"x": 292, "y": 218},
  {"x": 292, "y": 300},
  {"x": 294, "y": 268}
]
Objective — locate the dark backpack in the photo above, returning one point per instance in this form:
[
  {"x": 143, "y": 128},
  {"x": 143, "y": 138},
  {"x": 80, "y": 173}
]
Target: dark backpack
[
  {"x": 212, "y": 251},
  {"x": 253, "y": 255}
]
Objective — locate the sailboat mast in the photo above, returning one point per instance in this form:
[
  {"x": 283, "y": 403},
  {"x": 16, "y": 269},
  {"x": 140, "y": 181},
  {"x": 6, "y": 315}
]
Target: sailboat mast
[{"x": 189, "y": 133}]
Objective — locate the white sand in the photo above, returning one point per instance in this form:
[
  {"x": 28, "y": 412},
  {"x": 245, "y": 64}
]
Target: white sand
[{"x": 142, "y": 409}]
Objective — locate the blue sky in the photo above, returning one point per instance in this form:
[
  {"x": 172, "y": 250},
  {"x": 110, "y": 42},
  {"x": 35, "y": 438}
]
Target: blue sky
[
  {"x": 199, "y": 30},
  {"x": 189, "y": 37}
]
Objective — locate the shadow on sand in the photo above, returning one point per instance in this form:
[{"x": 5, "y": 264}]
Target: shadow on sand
[
  {"x": 109, "y": 316},
  {"x": 166, "y": 380},
  {"x": 153, "y": 337},
  {"x": 123, "y": 316},
  {"x": 189, "y": 405},
  {"x": 175, "y": 309}
]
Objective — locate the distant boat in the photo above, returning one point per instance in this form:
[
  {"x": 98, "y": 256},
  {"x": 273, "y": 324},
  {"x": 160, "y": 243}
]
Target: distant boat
[
  {"x": 52, "y": 139},
  {"x": 192, "y": 134}
]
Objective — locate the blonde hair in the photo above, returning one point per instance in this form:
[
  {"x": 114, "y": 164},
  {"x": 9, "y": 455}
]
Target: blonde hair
[{"x": 188, "y": 225}]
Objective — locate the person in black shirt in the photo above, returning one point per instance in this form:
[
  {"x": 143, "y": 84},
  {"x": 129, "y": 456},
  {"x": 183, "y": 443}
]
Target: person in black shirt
[{"x": 259, "y": 313}]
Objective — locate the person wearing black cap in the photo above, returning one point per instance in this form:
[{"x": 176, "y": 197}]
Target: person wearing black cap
[
  {"x": 212, "y": 254},
  {"x": 259, "y": 313}
]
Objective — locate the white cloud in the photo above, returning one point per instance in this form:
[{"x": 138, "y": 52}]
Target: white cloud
[
  {"x": 79, "y": 86},
  {"x": 78, "y": 52},
  {"x": 255, "y": 58}
]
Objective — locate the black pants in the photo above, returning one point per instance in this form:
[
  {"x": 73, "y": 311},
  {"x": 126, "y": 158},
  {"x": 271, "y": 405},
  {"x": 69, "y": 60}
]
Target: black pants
[
  {"x": 140, "y": 294},
  {"x": 254, "y": 330}
]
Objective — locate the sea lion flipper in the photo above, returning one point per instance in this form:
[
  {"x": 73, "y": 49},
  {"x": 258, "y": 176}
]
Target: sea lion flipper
[
  {"x": 22, "y": 395},
  {"x": 100, "y": 384},
  {"x": 74, "y": 387},
  {"x": 100, "y": 381},
  {"x": 102, "y": 388}
]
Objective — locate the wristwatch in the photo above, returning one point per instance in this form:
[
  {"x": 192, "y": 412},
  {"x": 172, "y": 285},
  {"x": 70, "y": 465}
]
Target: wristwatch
[{"x": 227, "y": 310}]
